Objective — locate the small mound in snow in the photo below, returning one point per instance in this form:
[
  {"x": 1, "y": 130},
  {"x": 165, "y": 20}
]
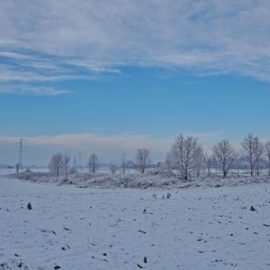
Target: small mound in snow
[{"x": 138, "y": 181}]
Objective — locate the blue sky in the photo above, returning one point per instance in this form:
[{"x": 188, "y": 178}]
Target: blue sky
[{"x": 112, "y": 76}]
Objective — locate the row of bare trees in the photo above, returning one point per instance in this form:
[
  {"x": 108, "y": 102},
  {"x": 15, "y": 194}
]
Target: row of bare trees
[
  {"x": 186, "y": 158},
  {"x": 60, "y": 164},
  {"x": 254, "y": 150}
]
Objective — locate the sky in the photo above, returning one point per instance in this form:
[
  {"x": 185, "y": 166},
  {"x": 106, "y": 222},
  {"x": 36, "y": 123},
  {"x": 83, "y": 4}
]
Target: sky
[{"x": 113, "y": 76}]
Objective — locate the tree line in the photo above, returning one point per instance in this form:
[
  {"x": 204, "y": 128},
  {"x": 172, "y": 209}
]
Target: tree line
[{"x": 186, "y": 159}]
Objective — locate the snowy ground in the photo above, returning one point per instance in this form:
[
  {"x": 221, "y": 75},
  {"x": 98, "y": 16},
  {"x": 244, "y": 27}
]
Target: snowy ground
[{"x": 74, "y": 228}]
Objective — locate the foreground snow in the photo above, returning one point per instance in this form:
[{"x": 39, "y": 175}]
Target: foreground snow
[{"x": 73, "y": 228}]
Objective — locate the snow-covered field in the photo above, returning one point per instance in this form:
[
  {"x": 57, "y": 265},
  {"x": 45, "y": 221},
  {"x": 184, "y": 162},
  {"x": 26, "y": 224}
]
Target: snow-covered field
[{"x": 74, "y": 228}]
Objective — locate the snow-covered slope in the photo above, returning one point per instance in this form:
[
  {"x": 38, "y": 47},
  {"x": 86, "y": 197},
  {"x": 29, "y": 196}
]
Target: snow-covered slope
[
  {"x": 73, "y": 228},
  {"x": 139, "y": 181}
]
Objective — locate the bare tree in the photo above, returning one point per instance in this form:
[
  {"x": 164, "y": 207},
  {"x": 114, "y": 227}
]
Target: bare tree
[
  {"x": 66, "y": 165},
  {"x": 183, "y": 155},
  {"x": 74, "y": 168},
  {"x": 251, "y": 149},
  {"x": 209, "y": 163},
  {"x": 225, "y": 155},
  {"x": 93, "y": 163},
  {"x": 267, "y": 150},
  {"x": 113, "y": 169},
  {"x": 142, "y": 159},
  {"x": 56, "y": 164},
  {"x": 123, "y": 163},
  {"x": 199, "y": 160},
  {"x": 258, "y": 152}
]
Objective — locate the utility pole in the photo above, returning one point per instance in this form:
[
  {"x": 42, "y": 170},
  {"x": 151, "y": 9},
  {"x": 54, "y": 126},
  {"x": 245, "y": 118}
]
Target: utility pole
[{"x": 19, "y": 165}]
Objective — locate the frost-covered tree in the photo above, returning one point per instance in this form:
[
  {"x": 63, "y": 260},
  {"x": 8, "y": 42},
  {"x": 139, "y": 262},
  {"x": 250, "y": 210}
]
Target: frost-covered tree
[
  {"x": 267, "y": 152},
  {"x": 113, "y": 169},
  {"x": 209, "y": 163},
  {"x": 258, "y": 152},
  {"x": 142, "y": 159},
  {"x": 92, "y": 163},
  {"x": 60, "y": 165},
  {"x": 225, "y": 155},
  {"x": 183, "y": 155},
  {"x": 66, "y": 165},
  {"x": 200, "y": 159},
  {"x": 253, "y": 151},
  {"x": 56, "y": 164}
]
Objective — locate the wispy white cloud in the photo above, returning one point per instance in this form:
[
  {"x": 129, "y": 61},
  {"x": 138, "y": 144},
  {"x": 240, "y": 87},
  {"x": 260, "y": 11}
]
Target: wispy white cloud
[
  {"x": 33, "y": 67},
  {"x": 206, "y": 36},
  {"x": 108, "y": 147},
  {"x": 37, "y": 90},
  {"x": 30, "y": 76},
  {"x": 122, "y": 142},
  {"x": 15, "y": 56}
]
